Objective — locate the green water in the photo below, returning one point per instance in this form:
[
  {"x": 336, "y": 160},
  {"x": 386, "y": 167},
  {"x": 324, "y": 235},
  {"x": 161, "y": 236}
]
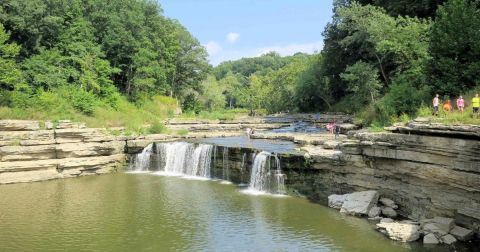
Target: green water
[{"x": 141, "y": 212}]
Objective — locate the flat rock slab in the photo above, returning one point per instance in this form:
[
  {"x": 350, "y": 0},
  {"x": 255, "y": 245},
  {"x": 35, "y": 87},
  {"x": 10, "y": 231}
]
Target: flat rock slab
[
  {"x": 19, "y": 125},
  {"x": 359, "y": 203},
  {"x": 430, "y": 239},
  {"x": 461, "y": 233},
  {"x": 434, "y": 228},
  {"x": 400, "y": 231}
]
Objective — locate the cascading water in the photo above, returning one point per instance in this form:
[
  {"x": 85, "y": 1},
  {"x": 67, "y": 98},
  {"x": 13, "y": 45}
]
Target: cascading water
[
  {"x": 195, "y": 160},
  {"x": 141, "y": 161},
  {"x": 188, "y": 159},
  {"x": 264, "y": 179},
  {"x": 179, "y": 158}
]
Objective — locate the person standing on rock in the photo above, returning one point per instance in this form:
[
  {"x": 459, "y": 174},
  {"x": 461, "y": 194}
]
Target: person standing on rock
[
  {"x": 436, "y": 102},
  {"x": 476, "y": 105},
  {"x": 460, "y": 104},
  {"x": 337, "y": 131},
  {"x": 248, "y": 132}
]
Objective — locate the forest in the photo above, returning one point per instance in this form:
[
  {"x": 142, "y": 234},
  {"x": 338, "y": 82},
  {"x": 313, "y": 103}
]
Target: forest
[{"x": 120, "y": 63}]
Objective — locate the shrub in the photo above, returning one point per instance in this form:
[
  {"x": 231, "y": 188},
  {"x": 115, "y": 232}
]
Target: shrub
[{"x": 156, "y": 128}]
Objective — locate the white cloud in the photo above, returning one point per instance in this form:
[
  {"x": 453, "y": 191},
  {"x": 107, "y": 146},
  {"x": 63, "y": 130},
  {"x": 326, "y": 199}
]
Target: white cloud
[
  {"x": 284, "y": 50},
  {"x": 232, "y": 37},
  {"x": 292, "y": 48},
  {"x": 213, "y": 48}
]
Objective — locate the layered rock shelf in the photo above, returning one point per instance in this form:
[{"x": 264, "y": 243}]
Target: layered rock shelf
[
  {"x": 29, "y": 153},
  {"x": 427, "y": 170}
]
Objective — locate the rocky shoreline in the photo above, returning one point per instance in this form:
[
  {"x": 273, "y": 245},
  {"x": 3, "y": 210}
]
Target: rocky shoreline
[{"x": 426, "y": 177}]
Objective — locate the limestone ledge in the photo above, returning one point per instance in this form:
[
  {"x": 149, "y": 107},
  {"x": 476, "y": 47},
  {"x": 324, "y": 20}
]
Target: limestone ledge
[
  {"x": 426, "y": 175},
  {"x": 39, "y": 170}
]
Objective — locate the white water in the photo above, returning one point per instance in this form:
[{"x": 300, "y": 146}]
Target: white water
[
  {"x": 142, "y": 160},
  {"x": 264, "y": 179},
  {"x": 175, "y": 159},
  {"x": 194, "y": 161},
  {"x": 184, "y": 159}
]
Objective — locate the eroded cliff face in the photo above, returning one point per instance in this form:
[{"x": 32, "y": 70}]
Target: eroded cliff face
[
  {"x": 29, "y": 154},
  {"x": 426, "y": 175}
]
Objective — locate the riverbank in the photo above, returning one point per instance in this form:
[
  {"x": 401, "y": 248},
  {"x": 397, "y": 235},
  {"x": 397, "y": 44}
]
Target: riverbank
[{"x": 428, "y": 169}]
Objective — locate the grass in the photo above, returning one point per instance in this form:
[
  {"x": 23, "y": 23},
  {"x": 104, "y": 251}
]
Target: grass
[
  {"x": 182, "y": 132},
  {"x": 126, "y": 114},
  {"x": 224, "y": 114}
]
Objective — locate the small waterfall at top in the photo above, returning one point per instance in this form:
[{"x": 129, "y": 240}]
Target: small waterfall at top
[
  {"x": 177, "y": 158},
  {"x": 141, "y": 161},
  {"x": 181, "y": 158},
  {"x": 264, "y": 178}
]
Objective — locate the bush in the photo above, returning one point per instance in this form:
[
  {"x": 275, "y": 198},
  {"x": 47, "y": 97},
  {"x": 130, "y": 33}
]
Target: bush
[
  {"x": 83, "y": 101},
  {"x": 156, "y": 128}
]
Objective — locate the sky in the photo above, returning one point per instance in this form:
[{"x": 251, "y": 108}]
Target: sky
[{"x": 233, "y": 29}]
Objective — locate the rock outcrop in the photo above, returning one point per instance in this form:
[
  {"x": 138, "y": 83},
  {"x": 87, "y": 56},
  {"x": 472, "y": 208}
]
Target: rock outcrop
[
  {"x": 400, "y": 231},
  {"x": 29, "y": 154},
  {"x": 359, "y": 203}
]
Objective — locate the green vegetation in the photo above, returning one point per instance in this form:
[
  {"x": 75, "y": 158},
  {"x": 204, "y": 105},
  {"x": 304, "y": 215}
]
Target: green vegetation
[
  {"x": 382, "y": 61},
  {"x": 108, "y": 63}
]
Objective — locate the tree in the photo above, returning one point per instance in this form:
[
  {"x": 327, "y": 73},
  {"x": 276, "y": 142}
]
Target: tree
[
  {"x": 212, "y": 94},
  {"x": 252, "y": 95},
  {"x": 362, "y": 79},
  {"x": 10, "y": 74},
  {"x": 455, "y": 48},
  {"x": 191, "y": 65}
]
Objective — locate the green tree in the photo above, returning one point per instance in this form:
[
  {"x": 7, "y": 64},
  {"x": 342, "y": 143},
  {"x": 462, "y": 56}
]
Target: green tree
[
  {"x": 455, "y": 48},
  {"x": 362, "y": 80},
  {"x": 212, "y": 94},
  {"x": 10, "y": 74}
]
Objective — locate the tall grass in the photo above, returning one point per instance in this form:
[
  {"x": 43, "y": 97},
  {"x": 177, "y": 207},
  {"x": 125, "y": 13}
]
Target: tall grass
[{"x": 125, "y": 114}]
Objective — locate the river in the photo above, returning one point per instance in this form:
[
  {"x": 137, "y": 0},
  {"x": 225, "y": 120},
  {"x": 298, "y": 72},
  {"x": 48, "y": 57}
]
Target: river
[{"x": 144, "y": 212}]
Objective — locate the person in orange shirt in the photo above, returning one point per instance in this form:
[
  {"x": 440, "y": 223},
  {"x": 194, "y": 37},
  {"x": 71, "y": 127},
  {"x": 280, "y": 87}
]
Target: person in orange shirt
[{"x": 447, "y": 107}]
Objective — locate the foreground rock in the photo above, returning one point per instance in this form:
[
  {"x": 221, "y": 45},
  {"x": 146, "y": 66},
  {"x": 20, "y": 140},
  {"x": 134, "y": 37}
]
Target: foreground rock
[
  {"x": 400, "y": 231},
  {"x": 359, "y": 203},
  {"x": 336, "y": 201},
  {"x": 462, "y": 234}
]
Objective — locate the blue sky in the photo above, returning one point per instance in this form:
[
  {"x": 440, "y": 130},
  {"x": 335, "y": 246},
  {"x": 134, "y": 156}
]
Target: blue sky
[{"x": 232, "y": 29}]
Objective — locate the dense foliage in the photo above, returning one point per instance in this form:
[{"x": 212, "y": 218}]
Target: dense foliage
[
  {"x": 381, "y": 59},
  {"x": 93, "y": 52}
]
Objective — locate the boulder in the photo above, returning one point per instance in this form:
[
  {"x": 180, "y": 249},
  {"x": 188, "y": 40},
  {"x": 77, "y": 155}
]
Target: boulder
[
  {"x": 399, "y": 231},
  {"x": 389, "y": 212},
  {"x": 448, "y": 239},
  {"x": 19, "y": 125},
  {"x": 336, "y": 201},
  {"x": 434, "y": 229},
  {"x": 374, "y": 212},
  {"x": 388, "y": 203},
  {"x": 359, "y": 203},
  {"x": 444, "y": 223},
  {"x": 461, "y": 233},
  {"x": 430, "y": 239}
]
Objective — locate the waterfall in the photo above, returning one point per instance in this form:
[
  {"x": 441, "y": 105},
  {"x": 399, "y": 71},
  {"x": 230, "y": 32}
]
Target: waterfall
[
  {"x": 179, "y": 158},
  {"x": 187, "y": 159},
  {"x": 264, "y": 179},
  {"x": 141, "y": 161}
]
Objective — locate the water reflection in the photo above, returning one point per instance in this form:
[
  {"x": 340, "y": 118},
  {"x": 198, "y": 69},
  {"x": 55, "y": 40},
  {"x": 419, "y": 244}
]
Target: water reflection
[{"x": 143, "y": 212}]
